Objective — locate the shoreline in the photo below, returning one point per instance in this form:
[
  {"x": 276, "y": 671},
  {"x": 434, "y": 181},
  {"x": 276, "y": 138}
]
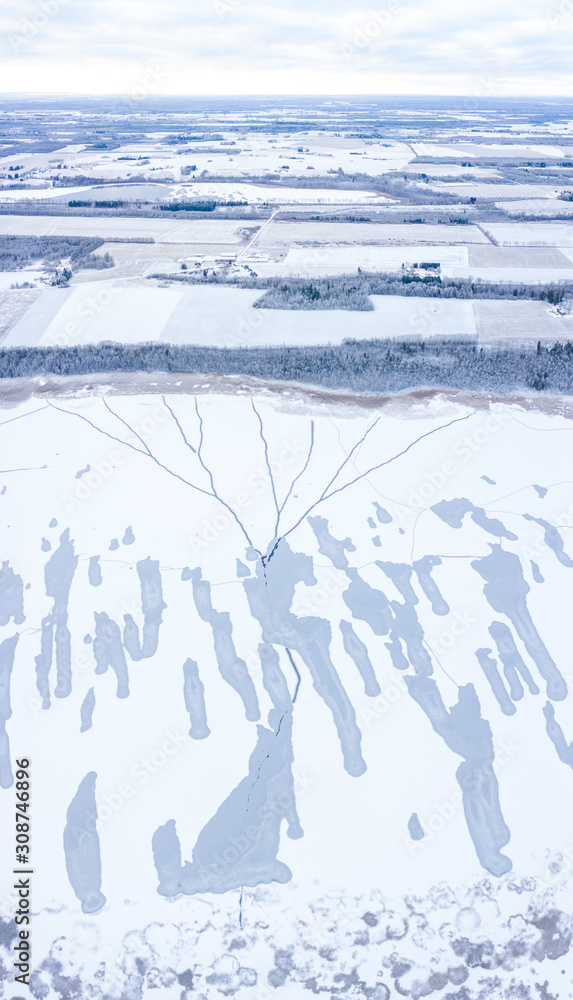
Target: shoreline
[{"x": 14, "y": 391}]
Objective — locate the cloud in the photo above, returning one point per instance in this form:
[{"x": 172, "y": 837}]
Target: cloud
[{"x": 317, "y": 46}]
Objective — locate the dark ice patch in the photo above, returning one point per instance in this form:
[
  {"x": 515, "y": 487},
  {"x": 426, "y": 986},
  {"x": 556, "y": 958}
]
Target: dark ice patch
[
  {"x": 382, "y": 514},
  {"x": 506, "y": 591},
  {"x": 512, "y": 660},
  {"x": 453, "y": 512},
  {"x": 108, "y": 652},
  {"x": 536, "y": 572},
  {"x": 423, "y": 569},
  {"x": 552, "y": 539},
  {"x": 489, "y": 667},
  {"x": 7, "y": 653},
  {"x": 557, "y": 736},
  {"x": 58, "y": 574},
  {"x": 415, "y": 828},
  {"x": 94, "y": 571},
  {"x": 329, "y": 546},
  {"x": 232, "y": 668},
  {"x": 87, "y": 711},
  {"x": 11, "y": 596},
  {"x": 152, "y": 605},
  {"x": 358, "y": 652},
  {"x": 82, "y": 848},
  {"x": 194, "y": 695},
  {"x": 466, "y": 733},
  {"x": 270, "y": 595}
]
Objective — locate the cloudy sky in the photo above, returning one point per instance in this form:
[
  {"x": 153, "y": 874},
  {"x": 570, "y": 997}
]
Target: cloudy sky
[{"x": 474, "y": 47}]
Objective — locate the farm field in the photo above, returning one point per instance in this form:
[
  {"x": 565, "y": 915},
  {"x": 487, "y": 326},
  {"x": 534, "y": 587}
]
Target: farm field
[
  {"x": 281, "y": 234},
  {"x": 481, "y": 150},
  {"x": 220, "y": 316},
  {"x": 517, "y": 256},
  {"x": 525, "y": 275},
  {"x": 496, "y": 192},
  {"x": 13, "y": 304},
  {"x": 537, "y": 206},
  {"x": 128, "y": 312},
  {"x": 256, "y": 154},
  {"x": 345, "y": 260},
  {"x": 503, "y": 320},
  {"x": 451, "y": 170},
  {"x": 533, "y": 234},
  {"x": 161, "y": 230}
]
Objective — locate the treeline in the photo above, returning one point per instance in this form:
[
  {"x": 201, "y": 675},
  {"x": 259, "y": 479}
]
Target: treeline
[
  {"x": 96, "y": 262},
  {"x": 189, "y": 206},
  {"x": 130, "y": 210},
  {"x": 347, "y": 291},
  {"x": 96, "y": 204},
  {"x": 326, "y": 293},
  {"x": 19, "y": 251},
  {"x": 359, "y": 366}
]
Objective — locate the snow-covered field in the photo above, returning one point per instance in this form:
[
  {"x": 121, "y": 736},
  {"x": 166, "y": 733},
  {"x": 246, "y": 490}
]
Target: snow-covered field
[
  {"x": 490, "y": 150},
  {"x": 279, "y": 233},
  {"x": 221, "y": 317},
  {"x": 451, "y": 170},
  {"x": 542, "y": 234},
  {"x": 252, "y": 155},
  {"x": 537, "y": 206},
  {"x": 131, "y": 312},
  {"x": 161, "y": 230},
  {"x": 317, "y": 651},
  {"x": 346, "y": 260}
]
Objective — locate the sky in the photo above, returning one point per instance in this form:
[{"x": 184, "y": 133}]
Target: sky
[{"x": 197, "y": 47}]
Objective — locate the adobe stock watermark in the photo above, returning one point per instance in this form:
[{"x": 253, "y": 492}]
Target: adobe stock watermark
[
  {"x": 463, "y": 450},
  {"x": 486, "y": 87},
  {"x": 258, "y": 483},
  {"x": 87, "y": 311},
  {"x": 45, "y": 12},
  {"x": 109, "y": 803},
  {"x": 224, "y": 7},
  {"x": 443, "y": 813},
  {"x": 330, "y": 583},
  {"x": 96, "y": 475},
  {"x": 154, "y": 75},
  {"x": 364, "y": 34},
  {"x": 80, "y": 662}
]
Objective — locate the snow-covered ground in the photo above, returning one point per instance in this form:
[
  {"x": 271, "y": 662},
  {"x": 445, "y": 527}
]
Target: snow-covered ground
[
  {"x": 321, "y": 650},
  {"x": 161, "y": 230},
  {"x": 537, "y": 206},
  {"x": 531, "y": 234},
  {"x": 219, "y": 316}
]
